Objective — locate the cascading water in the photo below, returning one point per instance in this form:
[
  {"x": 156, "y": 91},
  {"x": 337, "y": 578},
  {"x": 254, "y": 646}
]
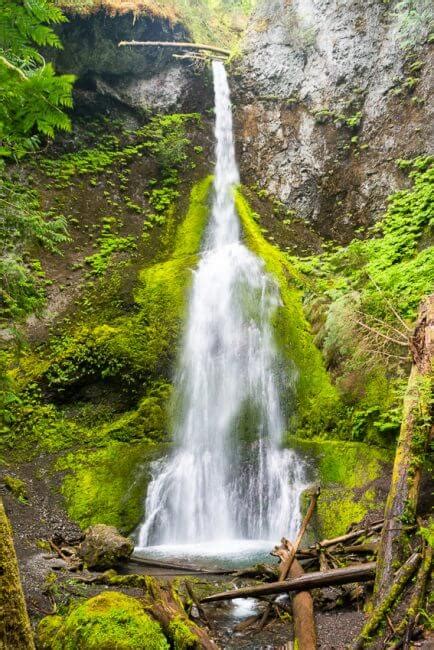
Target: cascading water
[{"x": 228, "y": 477}]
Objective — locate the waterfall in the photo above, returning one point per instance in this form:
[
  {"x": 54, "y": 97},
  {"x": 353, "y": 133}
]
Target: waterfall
[{"x": 228, "y": 476}]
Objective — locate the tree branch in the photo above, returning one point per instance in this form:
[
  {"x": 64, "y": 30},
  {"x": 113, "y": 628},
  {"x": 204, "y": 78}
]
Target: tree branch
[
  {"x": 184, "y": 46},
  {"x": 13, "y": 67}
]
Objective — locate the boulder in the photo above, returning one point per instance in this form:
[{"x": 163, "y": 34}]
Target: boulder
[
  {"x": 109, "y": 620},
  {"x": 104, "y": 547}
]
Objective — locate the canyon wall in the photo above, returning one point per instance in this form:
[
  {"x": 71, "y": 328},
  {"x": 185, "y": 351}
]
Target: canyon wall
[{"x": 329, "y": 94}]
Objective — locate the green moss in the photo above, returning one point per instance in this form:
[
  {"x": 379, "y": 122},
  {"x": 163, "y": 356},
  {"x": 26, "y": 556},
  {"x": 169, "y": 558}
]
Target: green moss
[
  {"x": 345, "y": 472},
  {"x": 109, "y": 243},
  {"x": 17, "y": 487},
  {"x": 317, "y": 399},
  {"x": 164, "y": 136},
  {"x": 108, "y": 485},
  {"x": 106, "y": 622},
  {"x": 135, "y": 347},
  {"x": 48, "y": 629},
  {"x": 181, "y": 634},
  {"x": 129, "y": 360}
]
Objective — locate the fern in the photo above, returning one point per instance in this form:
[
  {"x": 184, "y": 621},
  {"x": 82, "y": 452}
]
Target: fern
[
  {"x": 34, "y": 98},
  {"x": 22, "y": 224}
]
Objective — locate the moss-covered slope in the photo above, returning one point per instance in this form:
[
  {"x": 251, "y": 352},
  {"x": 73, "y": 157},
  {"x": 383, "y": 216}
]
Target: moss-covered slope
[{"x": 316, "y": 399}]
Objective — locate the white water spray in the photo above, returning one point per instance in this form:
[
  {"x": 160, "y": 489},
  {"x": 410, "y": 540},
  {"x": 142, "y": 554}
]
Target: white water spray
[{"x": 228, "y": 477}]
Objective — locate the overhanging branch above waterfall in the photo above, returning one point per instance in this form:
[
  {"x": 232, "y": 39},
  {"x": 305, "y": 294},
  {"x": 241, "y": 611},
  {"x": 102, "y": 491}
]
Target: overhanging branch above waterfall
[{"x": 177, "y": 45}]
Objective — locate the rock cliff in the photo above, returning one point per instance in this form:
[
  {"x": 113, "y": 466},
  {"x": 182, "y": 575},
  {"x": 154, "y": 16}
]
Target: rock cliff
[
  {"x": 330, "y": 93},
  {"x": 135, "y": 78}
]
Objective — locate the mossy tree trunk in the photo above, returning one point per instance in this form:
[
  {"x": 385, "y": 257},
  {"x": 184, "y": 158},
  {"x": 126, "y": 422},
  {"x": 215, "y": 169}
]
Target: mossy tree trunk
[
  {"x": 165, "y": 606},
  {"x": 15, "y": 630},
  {"x": 415, "y": 434}
]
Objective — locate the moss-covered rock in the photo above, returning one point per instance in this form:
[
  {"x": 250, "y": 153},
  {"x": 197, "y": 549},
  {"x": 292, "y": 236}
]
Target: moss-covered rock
[
  {"x": 109, "y": 621},
  {"x": 108, "y": 485},
  {"x": 317, "y": 400},
  {"x": 347, "y": 473},
  {"x": 15, "y": 629},
  {"x": 103, "y": 547},
  {"x": 17, "y": 487}
]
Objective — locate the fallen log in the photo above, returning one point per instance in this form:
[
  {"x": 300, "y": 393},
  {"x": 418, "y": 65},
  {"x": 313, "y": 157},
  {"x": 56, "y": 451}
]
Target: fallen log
[
  {"x": 15, "y": 630},
  {"x": 356, "y": 573},
  {"x": 357, "y": 549},
  {"x": 401, "y": 579},
  {"x": 185, "y": 568},
  {"x": 165, "y": 606},
  {"x": 287, "y": 552},
  {"x": 303, "y": 616},
  {"x": 416, "y": 430},
  {"x": 409, "y": 620},
  {"x": 368, "y": 531},
  {"x": 176, "y": 45}
]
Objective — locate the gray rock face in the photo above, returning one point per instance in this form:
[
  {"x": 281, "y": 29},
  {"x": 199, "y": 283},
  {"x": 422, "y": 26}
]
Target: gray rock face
[
  {"x": 163, "y": 92},
  {"x": 103, "y": 547},
  {"x": 328, "y": 97},
  {"x": 136, "y": 78}
]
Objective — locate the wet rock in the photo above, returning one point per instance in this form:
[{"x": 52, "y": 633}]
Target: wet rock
[
  {"x": 103, "y": 547},
  {"x": 57, "y": 564},
  {"x": 307, "y": 69}
]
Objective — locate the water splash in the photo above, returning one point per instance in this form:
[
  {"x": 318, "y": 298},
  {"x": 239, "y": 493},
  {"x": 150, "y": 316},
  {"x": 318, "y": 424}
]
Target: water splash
[{"x": 227, "y": 477}]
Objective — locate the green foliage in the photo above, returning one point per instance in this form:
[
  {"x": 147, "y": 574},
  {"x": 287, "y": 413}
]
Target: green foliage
[
  {"x": 32, "y": 103},
  {"x": 30, "y": 426},
  {"x": 33, "y": 97},
  {"x": 109, "y": 620},
  {"x": 381, "y": 279},
  {"x": 108, "y": 243},
  {"x": 427, "y": 532},
  {"x": 22, "y": 224},
  {"x": 8, "y": 397},
  {"x": 213, "y": 21},
  {"x": 136, "y": 347},
  {"x": 128, "y": 355},
  {"x": 163, "y": 136},
  {"x": 326, "y": 115}
]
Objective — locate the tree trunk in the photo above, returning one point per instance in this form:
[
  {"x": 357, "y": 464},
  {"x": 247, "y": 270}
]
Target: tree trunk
[
  {"x": 416, "y": 430},
  {"x": 356, "y": 573},
  {"x": 15, "y": 630}
]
